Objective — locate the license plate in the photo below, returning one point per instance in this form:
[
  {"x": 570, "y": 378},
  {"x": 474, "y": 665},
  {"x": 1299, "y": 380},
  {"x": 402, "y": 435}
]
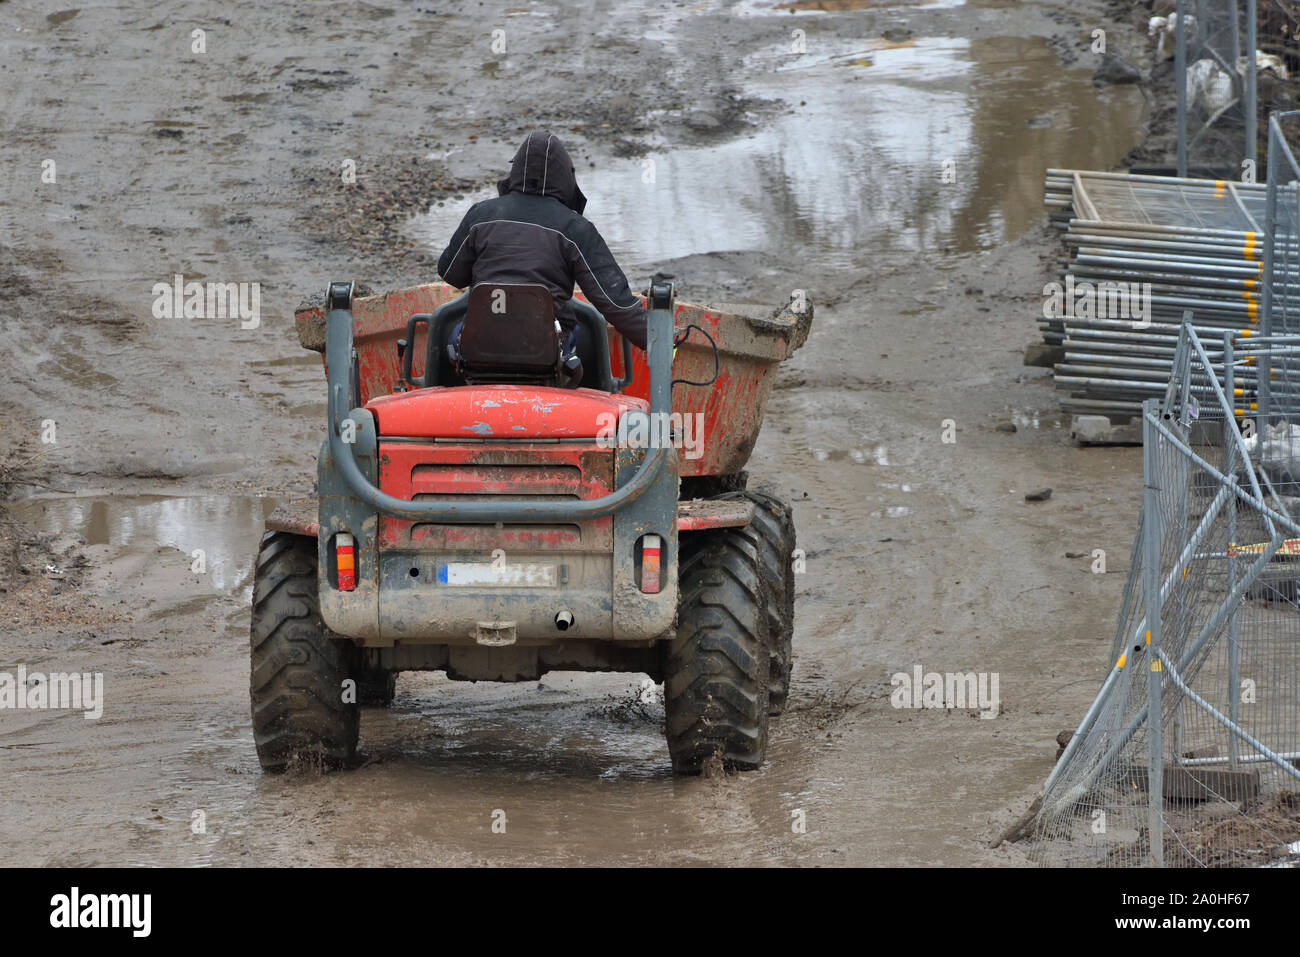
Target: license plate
[{"x": 511, "y": 574}]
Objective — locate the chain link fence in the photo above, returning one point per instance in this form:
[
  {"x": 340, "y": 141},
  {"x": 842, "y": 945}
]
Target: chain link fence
[
  {"x": 1207, "y": 642},
  {"x": 1190, "y": 753},
  {"x": 1279, "y": 307},
  {"x": 1215, "y": 76}
]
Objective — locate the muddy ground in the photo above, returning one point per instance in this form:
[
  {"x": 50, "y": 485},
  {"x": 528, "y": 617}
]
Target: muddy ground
[{"x": 776, "y": 170}]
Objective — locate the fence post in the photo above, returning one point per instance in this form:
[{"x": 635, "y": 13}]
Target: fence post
[
  {"x": 1151, "y": 533},
  {"x": 1230, "y": 469},
  {"x": 1180, "y": 82},
  {"x": 1263, "y": 393},
  {"x": 1252, "y": 144}
]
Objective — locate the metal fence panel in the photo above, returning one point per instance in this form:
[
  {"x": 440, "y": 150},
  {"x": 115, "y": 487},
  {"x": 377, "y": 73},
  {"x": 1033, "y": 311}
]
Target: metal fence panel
[
  {"x": 1188, "y": 755},
  {"x": 1214, "y": 74}
]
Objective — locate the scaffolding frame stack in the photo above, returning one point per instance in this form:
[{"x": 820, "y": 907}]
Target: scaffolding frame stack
[{"x": 1181, "y": 250}]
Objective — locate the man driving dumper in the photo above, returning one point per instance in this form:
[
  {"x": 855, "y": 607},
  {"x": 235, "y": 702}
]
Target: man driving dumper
[{"x": 534, "y": 232}]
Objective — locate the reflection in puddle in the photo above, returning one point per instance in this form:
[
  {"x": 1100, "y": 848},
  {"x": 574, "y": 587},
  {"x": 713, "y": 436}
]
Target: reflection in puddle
[
  {"x": 882, "y": 150},
  {"x": 913, "y": 58},
  {"x": 839, "y": 6},
  {"x": 226, "y": 528}
]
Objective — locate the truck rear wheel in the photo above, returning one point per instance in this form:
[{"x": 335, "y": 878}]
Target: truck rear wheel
[
  {"x": 772, "y": 535},
  {"x": 298, "y": 665},
  {"x": 716, "y": 675}
]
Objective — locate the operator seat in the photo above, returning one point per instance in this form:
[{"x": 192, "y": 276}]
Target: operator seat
[{"x": 496, "y": 351}]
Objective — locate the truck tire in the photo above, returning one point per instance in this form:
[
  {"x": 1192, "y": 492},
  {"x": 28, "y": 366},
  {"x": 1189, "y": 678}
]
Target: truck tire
[
  {"x": 772, "y": 534},
  {"x": 376, "y": 688},
  {"x": 716, "y": 673},
  {"x": 298, "y": 666}
]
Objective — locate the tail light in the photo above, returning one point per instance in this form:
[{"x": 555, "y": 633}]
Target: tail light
[
  {"x": 346, "y": 561},
  {"x": 650, "y": 564}
]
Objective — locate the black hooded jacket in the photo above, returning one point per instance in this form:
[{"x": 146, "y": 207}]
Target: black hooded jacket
[{"x": 534, "y": 232}]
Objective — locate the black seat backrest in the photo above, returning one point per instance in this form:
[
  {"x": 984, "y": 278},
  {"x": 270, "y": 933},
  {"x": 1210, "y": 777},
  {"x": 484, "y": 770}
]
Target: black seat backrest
[{"x": 509, "y": 333}]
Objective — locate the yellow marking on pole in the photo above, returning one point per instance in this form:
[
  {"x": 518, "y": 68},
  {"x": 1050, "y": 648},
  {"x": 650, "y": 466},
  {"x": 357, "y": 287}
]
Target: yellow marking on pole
[
  {"x": 1289, "y": 547},
  {"x": 1250, "y": 283},
  {"x": 1252, "y": 307},
  {"x": 1120, "y": 664},
  {"x": 1155, "y": 664},
  {"x": 1249, "y": 251},
  {"x": 1148, "y": 636},
  {"x": 1218, "y": 188}
]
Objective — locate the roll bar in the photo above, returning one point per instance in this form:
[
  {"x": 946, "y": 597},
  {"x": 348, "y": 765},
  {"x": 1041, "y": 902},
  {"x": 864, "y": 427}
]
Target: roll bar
[{"x": 338, "y": 356}]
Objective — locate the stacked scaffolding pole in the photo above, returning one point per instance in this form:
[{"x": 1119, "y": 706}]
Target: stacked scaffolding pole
[{"x": 1144, "y": 254}]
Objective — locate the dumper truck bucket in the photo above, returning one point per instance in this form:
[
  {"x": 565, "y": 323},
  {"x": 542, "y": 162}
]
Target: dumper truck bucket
[{"x": 725, "y": 377}]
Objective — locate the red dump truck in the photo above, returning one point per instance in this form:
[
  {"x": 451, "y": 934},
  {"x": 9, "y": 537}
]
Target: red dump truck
[{"x": 481, "y": 512}]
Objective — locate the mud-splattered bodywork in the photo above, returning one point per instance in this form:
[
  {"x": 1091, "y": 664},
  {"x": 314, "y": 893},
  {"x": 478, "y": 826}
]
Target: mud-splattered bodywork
[
  {"x": 422, "y": 596},
  {"x": 751, "y": 343}
]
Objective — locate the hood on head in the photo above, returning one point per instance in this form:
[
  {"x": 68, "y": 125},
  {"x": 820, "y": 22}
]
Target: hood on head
[{"x": 542, "y": 167}]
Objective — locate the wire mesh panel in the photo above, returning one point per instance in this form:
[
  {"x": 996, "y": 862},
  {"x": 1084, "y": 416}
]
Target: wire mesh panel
[
  {"x": 1169, "y": 201},
  {"x": 1215, "y": 77},
  {"x": 1281, "y": 292},
  {"x": 1217, "y": 32},
  {"x": 1189, "y": 754}
]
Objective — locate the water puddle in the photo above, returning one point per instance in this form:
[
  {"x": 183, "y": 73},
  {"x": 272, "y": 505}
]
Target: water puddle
[
  {"x": 61, "y": 17},
  {"x": 765, "y": 7},
  {"x": 887, "y": 149},
  {"x": 226, "y": 529}
]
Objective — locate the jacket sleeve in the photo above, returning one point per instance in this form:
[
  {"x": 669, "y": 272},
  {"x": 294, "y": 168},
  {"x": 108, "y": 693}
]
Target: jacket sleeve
[
  {"x": 456, "y": 264},
  {"x": 605, "y": 286}
]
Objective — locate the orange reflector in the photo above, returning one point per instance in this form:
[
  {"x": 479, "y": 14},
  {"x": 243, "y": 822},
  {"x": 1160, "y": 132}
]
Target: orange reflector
[
  {"x": 650, "y": 564},
  {"x": 345, "y": 553}
]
